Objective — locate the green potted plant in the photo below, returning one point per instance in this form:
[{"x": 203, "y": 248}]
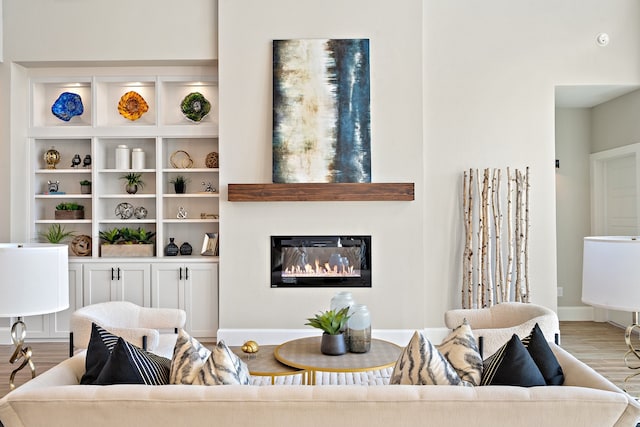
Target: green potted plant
[
  {"x": 127, "y": 242},
  {"x": 56, "y": 233},
  {"x": 332, "y": 323},
  {"x": 69, "y": 210},
  {"x": 134, "y": 182},
  {"x": 179, "y": 184},
  {"x": 85, "y": 186}
]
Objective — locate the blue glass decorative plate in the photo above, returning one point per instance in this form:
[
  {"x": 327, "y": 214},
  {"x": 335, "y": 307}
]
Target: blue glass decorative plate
[{"x": 67, "y": 106}]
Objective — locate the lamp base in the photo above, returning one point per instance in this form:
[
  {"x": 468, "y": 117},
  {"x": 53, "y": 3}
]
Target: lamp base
[{"x": 18, "y": 334}]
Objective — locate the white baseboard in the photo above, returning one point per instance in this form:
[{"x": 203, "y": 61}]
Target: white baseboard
[
  {"x": 401, "y": 337},
  {"x": 576, "y": 314}
]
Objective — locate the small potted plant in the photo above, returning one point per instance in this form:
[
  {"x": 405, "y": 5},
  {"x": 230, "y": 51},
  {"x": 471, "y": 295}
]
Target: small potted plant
[
  {"x": 332, "y": 323},
  {"x": 56, "y": 233},
  {"x": 85, "y": 186},
  {"x": 134, "y": 182},
  {"x": 69, "y": 210},
  {"x": 179, "y": 184}
]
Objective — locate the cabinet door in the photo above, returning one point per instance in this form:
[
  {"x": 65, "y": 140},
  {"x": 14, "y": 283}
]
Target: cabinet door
[
  {"x": 96, "y": 283},
  {"x": 59, "y": 322},
  {"x": 201, "y": 299},
  {"x": 134, "y": 283},
  {"x": 167, "y": 285}
]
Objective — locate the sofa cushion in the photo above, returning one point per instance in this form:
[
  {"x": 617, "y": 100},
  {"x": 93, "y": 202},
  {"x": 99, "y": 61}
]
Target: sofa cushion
[
  {"x": 128, "y": 364},
  {"x": 193, "y": 364},
  {"x": 461, "y": 350},
  {"x": 512, "y": 365},
  {"x": 420, "y": 363},
  {"x": 99, "y": 348},
  {"x": 541, "y": 353}
]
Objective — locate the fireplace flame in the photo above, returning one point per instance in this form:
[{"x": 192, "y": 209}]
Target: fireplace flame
[{"x": 320, "y": 270}]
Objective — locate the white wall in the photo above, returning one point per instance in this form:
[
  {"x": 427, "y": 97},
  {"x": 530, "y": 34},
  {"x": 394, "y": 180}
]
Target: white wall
[
  {"x": 615, "y": 123},
  {"x": 456, "y": 84},
  {"x": 397, "y": 296},
  {"x": 573, "y": 147},
  {"x": 490, "y": 73}
]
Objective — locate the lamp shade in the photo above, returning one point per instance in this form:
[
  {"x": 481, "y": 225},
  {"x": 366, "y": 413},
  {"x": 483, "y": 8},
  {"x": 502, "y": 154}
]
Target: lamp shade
[
  {"x": 610, "y": 272},
  {"x": 34, "y": 279}
]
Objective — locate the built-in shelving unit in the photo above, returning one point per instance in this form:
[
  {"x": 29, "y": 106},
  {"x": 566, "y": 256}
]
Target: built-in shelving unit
[
  {"x": 161, "y": 132},
  {"x": 315, "y": 192},
  {"x": 188, "y": 282}
]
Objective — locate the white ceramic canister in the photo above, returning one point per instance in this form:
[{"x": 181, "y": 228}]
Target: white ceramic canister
[
  {"x": 137, "y": 159},
  {"x": 123, "y": 159},
  {"x": 359, "y": 329}
]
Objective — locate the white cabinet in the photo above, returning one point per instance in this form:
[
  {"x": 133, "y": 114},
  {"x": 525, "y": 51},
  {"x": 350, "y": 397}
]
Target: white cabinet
[
  {"x": 192, "y": 287},
  {"x": 117, "y": 282}
]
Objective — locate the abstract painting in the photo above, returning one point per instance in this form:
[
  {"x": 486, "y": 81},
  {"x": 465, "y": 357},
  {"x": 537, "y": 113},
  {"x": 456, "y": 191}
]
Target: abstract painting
[{"x": 321, "y": 111}]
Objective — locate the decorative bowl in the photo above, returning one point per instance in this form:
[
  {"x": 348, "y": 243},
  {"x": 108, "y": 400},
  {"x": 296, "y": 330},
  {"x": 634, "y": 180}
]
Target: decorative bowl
[
  {"x": 67, "y": 106},
  {"x": 132, "y": 106},
  {"x": 195, "y": 106}
]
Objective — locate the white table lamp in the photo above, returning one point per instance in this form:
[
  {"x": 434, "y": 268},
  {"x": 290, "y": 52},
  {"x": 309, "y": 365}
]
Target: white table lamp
[
  {"x": 34, "y": 281},
  {"x": 610, "y": 268}
]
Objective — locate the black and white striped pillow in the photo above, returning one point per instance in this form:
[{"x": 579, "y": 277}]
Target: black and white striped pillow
[
  {"x": 420, "y": 363},
  {"x": 129, "y": 364}
]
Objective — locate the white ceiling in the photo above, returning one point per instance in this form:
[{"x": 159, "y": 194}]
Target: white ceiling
[{"x": 589, "y": 96}]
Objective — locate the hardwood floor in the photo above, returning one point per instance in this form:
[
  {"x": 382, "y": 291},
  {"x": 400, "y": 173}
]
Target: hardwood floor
[{"x": 599, "y": 345}]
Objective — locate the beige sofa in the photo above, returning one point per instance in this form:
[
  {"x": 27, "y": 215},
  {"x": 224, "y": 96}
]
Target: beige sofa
[{"x": 54, "y": 399}]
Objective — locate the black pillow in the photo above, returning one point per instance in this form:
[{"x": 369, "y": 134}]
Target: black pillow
[
  {"x": 98, "y": 350},
  {"x": 512, "y": 365},
  {"x": 543, "y": 356},
  {"x": 128, "y": 364}
]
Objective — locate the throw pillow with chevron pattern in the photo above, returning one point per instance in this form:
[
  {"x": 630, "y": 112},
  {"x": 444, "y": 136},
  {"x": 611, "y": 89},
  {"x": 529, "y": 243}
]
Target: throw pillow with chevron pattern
[
  {"x": 193, "y": 364},
  {"x": 420, "y": 363},
  {"x": 461, "y": 350}
]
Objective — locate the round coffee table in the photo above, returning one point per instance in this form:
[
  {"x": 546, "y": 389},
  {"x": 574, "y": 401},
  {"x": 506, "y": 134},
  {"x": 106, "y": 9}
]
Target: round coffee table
[
  {"x": 263, "y": 364},
  {"x": 304, "y": 353}
]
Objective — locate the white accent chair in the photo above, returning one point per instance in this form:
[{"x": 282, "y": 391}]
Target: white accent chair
[
  {"x": 154, "y": 329},
  {"x": 494, "y": 326}
]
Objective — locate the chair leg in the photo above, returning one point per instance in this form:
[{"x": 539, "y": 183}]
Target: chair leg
[{"x": 70, "y": 344}]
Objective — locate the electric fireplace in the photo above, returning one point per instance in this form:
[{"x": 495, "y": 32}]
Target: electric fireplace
[{"x": 320, "y": 261}]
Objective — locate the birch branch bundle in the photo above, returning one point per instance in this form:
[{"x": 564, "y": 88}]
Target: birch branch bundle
[{"x": 485, "y": 280}]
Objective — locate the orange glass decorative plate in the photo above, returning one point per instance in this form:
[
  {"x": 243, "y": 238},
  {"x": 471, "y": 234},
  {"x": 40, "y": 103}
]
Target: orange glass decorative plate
[{"x": 132, "y": 106}]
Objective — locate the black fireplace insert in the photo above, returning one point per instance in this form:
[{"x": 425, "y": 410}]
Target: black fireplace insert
[{"x": 320, "y": 261}]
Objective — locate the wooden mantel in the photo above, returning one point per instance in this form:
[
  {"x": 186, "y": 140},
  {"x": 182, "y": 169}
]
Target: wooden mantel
[{"x": 320, "y": 192}]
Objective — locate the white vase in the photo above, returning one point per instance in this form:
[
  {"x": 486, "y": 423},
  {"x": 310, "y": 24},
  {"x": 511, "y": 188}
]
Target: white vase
[{"x": 359, "y": 329}]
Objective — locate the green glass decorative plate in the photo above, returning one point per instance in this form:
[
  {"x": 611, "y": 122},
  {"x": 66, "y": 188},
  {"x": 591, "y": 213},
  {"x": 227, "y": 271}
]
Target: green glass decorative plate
[{"x": 195, "y": 106}]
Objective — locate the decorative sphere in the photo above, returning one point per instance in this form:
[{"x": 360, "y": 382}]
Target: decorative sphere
[{"x": 250, "y": 347}]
